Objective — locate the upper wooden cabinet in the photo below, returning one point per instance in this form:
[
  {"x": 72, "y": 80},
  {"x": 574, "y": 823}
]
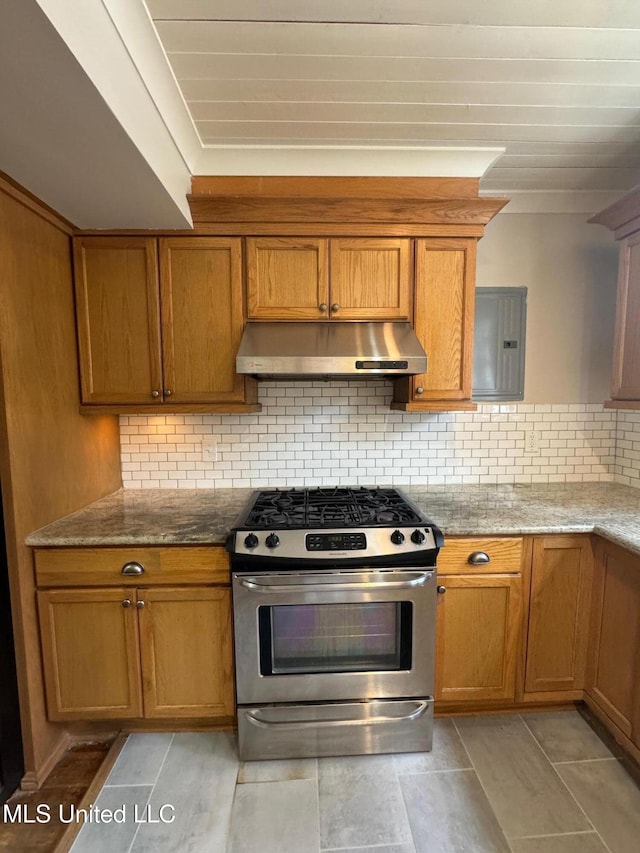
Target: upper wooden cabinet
[
  {"x": 323, "y": 279},
  {"x": 623, "y": 218},
  {"x": 159, "y": 323},
  {"x": 443, "y": 312}
]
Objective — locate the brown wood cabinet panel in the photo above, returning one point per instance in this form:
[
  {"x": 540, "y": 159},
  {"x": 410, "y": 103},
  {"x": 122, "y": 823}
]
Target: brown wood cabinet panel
[
  {"x": 626, "y": 360},
  {"x": 370, "y": 279},
  {"x": 478, "y": 628},
  {"x": 614, "y": 654},
  {"x": 443, "y": 320},
  {"x": 505, "y": 555},
  {"x": 90, "y": 653},
  {"x": 201, "y": 296},
  {"x": 185, "y": 646},
  {"x": 287, "y": 278},
  {"x": 103, "y": 566},
  {"x": 561, "y": 580},
  {"x": 118, "y": 317}
]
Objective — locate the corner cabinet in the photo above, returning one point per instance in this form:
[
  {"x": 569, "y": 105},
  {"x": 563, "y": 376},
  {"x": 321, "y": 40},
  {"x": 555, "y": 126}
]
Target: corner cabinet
[
  {"x": 444, "y": 302},
  {"x": 136, "y": 633},
  {"x": 623, "y": 218},
  {"x": 159, "y": 324},
  {"x": 329, "y": 279},
  {"x": 613, "y": 684},
  {"x": 479, "y": 619}
]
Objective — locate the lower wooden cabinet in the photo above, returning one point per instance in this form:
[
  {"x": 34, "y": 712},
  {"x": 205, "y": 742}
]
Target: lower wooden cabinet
[
  {"x": 125, "y": 652},
  {"x": 614, "y": 656},
  {"x": 479, "y": 622},
  {"x": 561, "y": 580},
  {"x": 131, "y": 632}
]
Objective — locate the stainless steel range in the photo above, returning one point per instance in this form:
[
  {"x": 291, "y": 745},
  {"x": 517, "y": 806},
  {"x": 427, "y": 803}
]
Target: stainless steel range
[{"x": 334, "y": 596}]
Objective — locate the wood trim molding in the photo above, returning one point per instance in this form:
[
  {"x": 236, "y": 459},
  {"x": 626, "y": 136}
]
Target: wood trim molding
[
  {"x": 33, "y": 779},
  {"x": 294, "y": 209},
  {"x": 335, "y": 187},
  {"x": 623, "y": 216}
]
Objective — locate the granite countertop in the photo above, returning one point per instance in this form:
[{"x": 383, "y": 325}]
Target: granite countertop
[{"x": 204, "y": 516}]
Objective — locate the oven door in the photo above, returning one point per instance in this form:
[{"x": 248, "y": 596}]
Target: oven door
[{"x": 330, "y": 635}]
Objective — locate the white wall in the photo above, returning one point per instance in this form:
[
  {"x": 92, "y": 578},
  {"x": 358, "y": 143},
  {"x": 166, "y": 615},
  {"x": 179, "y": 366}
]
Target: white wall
[{"x": 570, "y": 270}]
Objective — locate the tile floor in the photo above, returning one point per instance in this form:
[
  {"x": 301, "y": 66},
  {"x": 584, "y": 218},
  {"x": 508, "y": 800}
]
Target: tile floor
[{"x": 537, "y": 783}]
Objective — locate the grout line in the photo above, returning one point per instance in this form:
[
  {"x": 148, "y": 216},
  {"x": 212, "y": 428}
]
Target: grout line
[
  {"x": 584, "y": 760},
  {"x": 153, "y": 787},
  {"x": 402, "y": 800},
  {"x": 589, "y": 821},
  {"x": 556, "y": 835},
  {"x": 473, "y": 767}
]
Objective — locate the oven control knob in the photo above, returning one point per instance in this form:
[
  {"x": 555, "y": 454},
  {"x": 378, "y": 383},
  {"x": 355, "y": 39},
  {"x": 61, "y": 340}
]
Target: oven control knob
[
  {"x": 250, "y": 541},
  {"x": 418, "y": 537},
  {"x": 272, "y": 541},
  {"x": 397, "y": 537}
]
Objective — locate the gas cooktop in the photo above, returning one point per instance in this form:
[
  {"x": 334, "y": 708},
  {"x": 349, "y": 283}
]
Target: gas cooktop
[
  {"x": 329, "y": 507},
  {"x": 314, "y": 525}
]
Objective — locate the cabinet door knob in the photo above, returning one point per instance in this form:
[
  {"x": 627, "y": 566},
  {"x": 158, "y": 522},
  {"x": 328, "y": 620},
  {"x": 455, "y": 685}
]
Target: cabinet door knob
[
  {"x": 139, "y": 604},
  {"x": 478, "y": 558},
  {"x": 335, "y": 308},
  {"x": 419, "y": 390},
  {"x": 441, "y": 590},
  {"x": 155, "y": 394},
  {"x": 132, "y": 569},
  {"x": 126, "y": 602},
  {"x": 323, "y": 307},
  {"x": 167, "y": 392}
]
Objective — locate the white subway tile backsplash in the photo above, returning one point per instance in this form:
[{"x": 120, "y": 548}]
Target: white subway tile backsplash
[{"x": 319, "y": 433}]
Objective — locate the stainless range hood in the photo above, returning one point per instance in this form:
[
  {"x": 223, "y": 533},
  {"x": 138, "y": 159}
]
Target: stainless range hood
[{"x": 330, "y": 349}]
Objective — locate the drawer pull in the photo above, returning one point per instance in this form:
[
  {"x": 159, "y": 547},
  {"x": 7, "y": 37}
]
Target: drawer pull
[
  {"x": 133, "y": 569},
  {"x": 126, "y": 602},
  {"x": 441, "y": 590},
  {"x": 139, "y": 604},
  {"x": 479, "y": 558}
]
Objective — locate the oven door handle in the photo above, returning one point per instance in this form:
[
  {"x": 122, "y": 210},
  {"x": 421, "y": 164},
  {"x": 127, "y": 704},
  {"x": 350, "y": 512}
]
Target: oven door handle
[
  {"x": 405, "y": 580},
  {"x": 419, "y": 708}
]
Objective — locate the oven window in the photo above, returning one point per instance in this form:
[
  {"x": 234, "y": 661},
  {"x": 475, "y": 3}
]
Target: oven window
[{"x": 299, "y": 638}]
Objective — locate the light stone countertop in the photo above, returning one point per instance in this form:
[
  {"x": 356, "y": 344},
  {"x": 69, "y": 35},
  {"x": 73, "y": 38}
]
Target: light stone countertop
[{"x": 204, "y": 516}]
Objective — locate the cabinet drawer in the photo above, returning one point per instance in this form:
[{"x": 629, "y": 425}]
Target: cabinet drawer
[
  {"x": 103, "y": 566},
  {"x": 505, "y": 556}
]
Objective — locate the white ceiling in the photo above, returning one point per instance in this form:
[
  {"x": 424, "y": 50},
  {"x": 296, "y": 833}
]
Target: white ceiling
[{"x": 554, "y": 82}]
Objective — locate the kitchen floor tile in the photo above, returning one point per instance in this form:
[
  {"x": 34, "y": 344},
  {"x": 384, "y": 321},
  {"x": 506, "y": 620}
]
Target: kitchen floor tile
[
  {"x": 449, "y": 813},
  {"x": 285, "y": 770},
  {"x": 521, "y": 785},
  {"x": 198, "y": 779},
  {"x": 360, "y": 802},
  {"x": 610, "y": 798},
  {"x": 112, "y": 837},
  {"x": 140, "y": 760},
  {"x": 583, "y": 842},
  {"x": 448, "y": 753},
  {"x": 565, "y": 736},
  {"x": 275, "y": 817}
]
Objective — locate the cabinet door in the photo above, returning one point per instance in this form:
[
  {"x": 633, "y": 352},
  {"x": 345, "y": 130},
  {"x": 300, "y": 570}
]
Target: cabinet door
[
  {"x": 90, "y": 653},
  {"x": 626, "y": 360},
  {"x": 116, "y": 280},
  {"x": 561, "y": 580},
  {"x": 370, "y": 279},
  {"x": 614, "y": 671},
  {"x": 287, "y": 278},
  {"x": 478, "y": 629},
  {"x": 186, "y": 652},
  {"x": 443, "y": 321},
  {"x": 202, "y": 318}
]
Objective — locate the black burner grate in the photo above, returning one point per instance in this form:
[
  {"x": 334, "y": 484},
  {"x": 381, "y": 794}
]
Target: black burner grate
[{"x": 333, "y": 507}]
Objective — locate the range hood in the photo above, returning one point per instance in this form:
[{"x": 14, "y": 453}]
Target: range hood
[{"x": 330, "y": 349}]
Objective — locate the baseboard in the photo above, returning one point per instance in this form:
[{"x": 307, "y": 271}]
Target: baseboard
[{"x": 33, "y": 779}]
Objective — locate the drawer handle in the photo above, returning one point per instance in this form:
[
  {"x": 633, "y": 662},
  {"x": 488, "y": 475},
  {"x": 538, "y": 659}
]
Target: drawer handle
[
  {"x": 479, "y": 558},
  {"x": 133, "y": 569}
]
